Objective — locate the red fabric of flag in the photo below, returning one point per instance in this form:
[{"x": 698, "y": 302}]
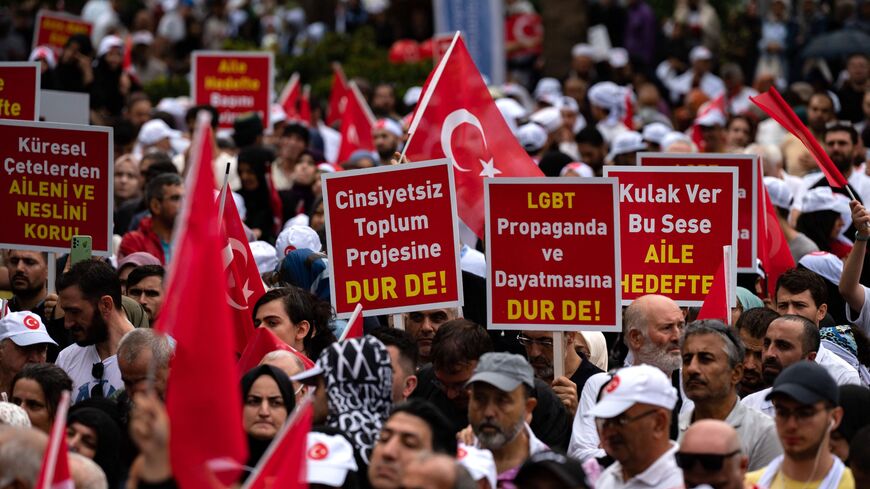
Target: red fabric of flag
[
  {"x": 262, "y": 342},
  {"x": 54, "y": 473},
  {"x": 357, "y": 122},
  {"x": 337, "y": 95},
  {"x": 284, "y": 464},
  {"x": 716, "y": 303}
]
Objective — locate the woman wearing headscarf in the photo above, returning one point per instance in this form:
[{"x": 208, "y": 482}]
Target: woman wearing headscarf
[
  {"x": 111, "y": 84},
  {"x": 359, "y": 390},
  {"x": 92, "y": 433},
  {"x": 252, "y": 162},
  {"x": 268, "y": 397},
  {"x": 593, "y": 345}
]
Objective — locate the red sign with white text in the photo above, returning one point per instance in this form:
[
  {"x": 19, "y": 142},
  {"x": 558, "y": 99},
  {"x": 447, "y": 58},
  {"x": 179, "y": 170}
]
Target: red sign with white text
[
  {"x": 674, "y": 222},
  {"x": 552, "y": 254},
  {"x": 55, "y": 28},
  {"x": 55, "y": 183},
  {"x": 747, "y": 195},
  {"x": 235, "y": 83},
  {"x": 392, "y": 238},
  {"x": 19, "y": 91}
]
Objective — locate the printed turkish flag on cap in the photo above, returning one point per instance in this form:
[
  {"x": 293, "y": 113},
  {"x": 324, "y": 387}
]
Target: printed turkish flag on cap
[
  {"x": 244, "y": 286},
  {"x": 357, "y": 122},
  {"x": 284, "y": 463},
  {"x": 716, "y": 304},
  {"x": 337, "y": 96},
  {"x": 54, "y": 473},
  {"x": 263, "y": 342},
  {"x": 203, "y": 399},
  {"x": 465, "y": 126}
]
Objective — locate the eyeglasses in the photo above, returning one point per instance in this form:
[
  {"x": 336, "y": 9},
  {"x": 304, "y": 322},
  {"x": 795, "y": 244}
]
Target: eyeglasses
[
  {"x": 542, "y": 342},
  {"x": 97, "y": 371},
  {"x": 622, "y": 420},
  {"x": 800, "y": 414},
  {"x": 710, "y": 462}
]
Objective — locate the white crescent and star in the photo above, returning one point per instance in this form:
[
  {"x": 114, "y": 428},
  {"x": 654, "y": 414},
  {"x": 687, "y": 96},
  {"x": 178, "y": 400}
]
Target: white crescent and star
[
  {"x": 233, "y": 246},
  {"x": 451, "y": 122}
]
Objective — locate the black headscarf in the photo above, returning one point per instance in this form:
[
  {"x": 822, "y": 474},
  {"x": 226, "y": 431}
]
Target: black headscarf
[
  {"x": 259, "y": 212},
  {"x": 256, "y": 447},
  {"x": 108, "y": 451}
]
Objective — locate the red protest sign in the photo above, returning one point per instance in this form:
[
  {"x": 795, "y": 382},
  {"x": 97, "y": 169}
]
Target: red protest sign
[
  {"x": 234, "y": 83},
  {"x": 747, "y": 195},
  {"x": 19, "y": 91},
  {"x": 55, "y": 28},
  {"x": 392, "y": 238},
  {"x": 524, "y": 34},
  {"x": 674, "y": 222},
  {"x": 55, "y": 182},
  {"x": 552, "y": 254}
]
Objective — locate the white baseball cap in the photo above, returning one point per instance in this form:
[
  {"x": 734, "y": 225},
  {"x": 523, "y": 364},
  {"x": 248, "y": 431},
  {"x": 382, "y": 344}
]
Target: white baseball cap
[
  {"x": 330, "y": 458},
  {"x": 532, "y": 137},
  {"x": 584, "y": 50},
  {"x": 618, "y": 57},
  {"x": 631, "y": 385},
  {"x": 412, "y": 96},
  {"x": 548, "y": 86},
  {"x": 606, "y": 94},
  {"x": 155, "y": 130},
  {"x": 828, "y": 265},
  {"x": 699, "y": 53},
  {"x": 549, "y": 118},
  {"x": 24, "y": 328},
  {"x": 655, "y": 132},
  {"x": 780, "y": 195},
  {"x": 297, "y": 237},
  {"x": 479, "y": 463},
  {"x": 713, "y": 117},
  {"x": 390, "y": 126},
  {"x": 265, "y": 256},
  {"x": 819, "y": 199},
  {"x": 626, "y": 142}
]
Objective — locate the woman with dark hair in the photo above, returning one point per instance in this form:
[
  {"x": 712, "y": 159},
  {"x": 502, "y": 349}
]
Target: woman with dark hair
[
  {"x": 252, "y": 169},
  {"x": 297, "y": 317},
  {"x": 739, "y": 133},
  {"x": 111, "y": 84},
  {"x": 267, "y": 394},
  {"x": 824, "y": 227},
  {"x": 94, "y": 434},
  {"x": 37, "y": 389}
]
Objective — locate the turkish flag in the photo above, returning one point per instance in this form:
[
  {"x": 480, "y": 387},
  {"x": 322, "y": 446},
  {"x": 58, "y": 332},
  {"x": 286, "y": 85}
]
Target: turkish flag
[
  {"x": 203, "y": 398},
  {"x": 337, "y": 95},
  {"x": 773, "y": 250},
  {"x": 354, "y": 328},
  {"x": 244, "y": 285},
  {"x": 289, "y": 98},
  {"x": 54, "y": 473},
  {"x": 716, "y": 303},
  {"x": 628, "y": 120},
  {"x": 264, "y": 341},
  {"x": 772, "y": 103},
  {"x": 357, "y": 122},
  {"x": 305, "y": 106},
  {"x": 457, "y": 119},
  {"x": 284, "y": 464}
]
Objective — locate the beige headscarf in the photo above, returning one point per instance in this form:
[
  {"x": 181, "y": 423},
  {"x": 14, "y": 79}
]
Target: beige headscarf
[{"x": 597, "y": 348}]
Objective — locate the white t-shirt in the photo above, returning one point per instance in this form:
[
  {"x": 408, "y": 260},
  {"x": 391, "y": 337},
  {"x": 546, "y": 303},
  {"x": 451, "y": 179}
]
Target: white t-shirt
[{"x": 78, "y": 362}]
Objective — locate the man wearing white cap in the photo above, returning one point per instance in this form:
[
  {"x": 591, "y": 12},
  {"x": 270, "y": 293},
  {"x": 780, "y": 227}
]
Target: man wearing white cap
[
  {"x": 653, "y": 134},
  {"x": 156, "y": 135},
  {"x": 633, "y": 419},
  {"x": 781, "y": 198},
  {"x": 387, "y": 135},
  {"x": 607, "y": 102},
  {"x": 701, "y": 59},
  {"x": 583, "y": 58},
  {"x": 23, "y": 339},
  {"x": 532, "y": 138},
  {"x": 712, "y": 124},
  {"x": 624, "y": 148}
]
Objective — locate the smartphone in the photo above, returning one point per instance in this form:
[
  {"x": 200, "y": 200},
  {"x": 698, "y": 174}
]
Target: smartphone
[{"x": 80, "y": 250}]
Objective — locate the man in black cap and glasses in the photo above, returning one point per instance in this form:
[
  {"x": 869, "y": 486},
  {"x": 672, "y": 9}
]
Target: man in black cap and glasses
[
  {"x": 712, "y": 368},
  {"x": 806, "y": 405},
  {"x": 710, "y": 454},
  {"x": 90, "y": 295}
]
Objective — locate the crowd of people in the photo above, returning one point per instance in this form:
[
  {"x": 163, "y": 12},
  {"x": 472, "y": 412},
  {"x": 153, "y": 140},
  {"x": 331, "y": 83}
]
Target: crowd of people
[{"x": 775, "y": 397}]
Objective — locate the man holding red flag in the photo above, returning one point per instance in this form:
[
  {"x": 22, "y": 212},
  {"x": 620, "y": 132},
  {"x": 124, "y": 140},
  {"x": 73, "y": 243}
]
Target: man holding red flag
[
  {"x": 203, "y": 398},
  {"x": 466, "y": 127}
]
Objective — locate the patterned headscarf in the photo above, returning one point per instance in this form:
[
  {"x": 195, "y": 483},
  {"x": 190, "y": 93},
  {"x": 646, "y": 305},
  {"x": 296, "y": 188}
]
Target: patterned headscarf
[{"x": 359, "y": 379}]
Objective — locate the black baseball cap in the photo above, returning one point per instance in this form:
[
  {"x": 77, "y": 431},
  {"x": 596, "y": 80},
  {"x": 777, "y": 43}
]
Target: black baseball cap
[
  {"x": 551, "y": 466},
  {"x": 807, "y": 383}
]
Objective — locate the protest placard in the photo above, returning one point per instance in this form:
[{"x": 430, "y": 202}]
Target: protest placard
[
  {"x": 392, "y": 238},
  {"x": 674, "y": 222},
  {"x": 55, "y": 28},
  {"x": 235, "y": 83},
  {"x": 19, "y": 90},
  {"x": 747, "y": 195},
  {"x": 552, "y": 254},
  {"x": 56, "y": 182}
]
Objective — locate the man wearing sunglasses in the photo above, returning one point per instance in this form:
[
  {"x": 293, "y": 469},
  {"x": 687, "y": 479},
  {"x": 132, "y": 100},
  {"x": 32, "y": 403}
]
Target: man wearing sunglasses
[
  {"x": 710, "y": 454},
  {"x": 805, "y": 399},
  {"x": 712, "y": 367},
  {"x": 633, "y": 419}
]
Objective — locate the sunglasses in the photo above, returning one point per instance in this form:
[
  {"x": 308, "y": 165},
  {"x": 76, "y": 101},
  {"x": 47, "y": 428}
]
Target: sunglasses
[
  {"x": 97, "y": 371},
  {"x": 709, "y": 462}
]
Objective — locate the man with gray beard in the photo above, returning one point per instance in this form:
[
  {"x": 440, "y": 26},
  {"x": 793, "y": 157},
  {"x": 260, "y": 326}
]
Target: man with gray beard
[
  {"x": 500, "y": 402},
  {"x": 651, "y": 328}
]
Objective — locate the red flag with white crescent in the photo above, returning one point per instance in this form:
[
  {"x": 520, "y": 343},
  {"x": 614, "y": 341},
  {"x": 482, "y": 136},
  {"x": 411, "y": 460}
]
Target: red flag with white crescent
[
  {"x": 465, "y": 126},
  {"x": 337, "y": 96},
  {"x": 357, "y": 123},
  {"x": 289, "y": 98}
]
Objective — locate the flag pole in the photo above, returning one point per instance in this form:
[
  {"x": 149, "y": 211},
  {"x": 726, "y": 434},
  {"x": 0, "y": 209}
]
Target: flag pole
[
  {"x": 427, "y": 96},
  {"x": 558, "y": 355},
  {"x": 223, "y": 195}
]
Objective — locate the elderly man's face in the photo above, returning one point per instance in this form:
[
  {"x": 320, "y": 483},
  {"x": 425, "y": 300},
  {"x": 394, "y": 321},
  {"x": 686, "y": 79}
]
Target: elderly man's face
[
  {"x": 707, "y": 376},
  {"x": 628, "y": 437},
  {"x": 496, "y": 416}
]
